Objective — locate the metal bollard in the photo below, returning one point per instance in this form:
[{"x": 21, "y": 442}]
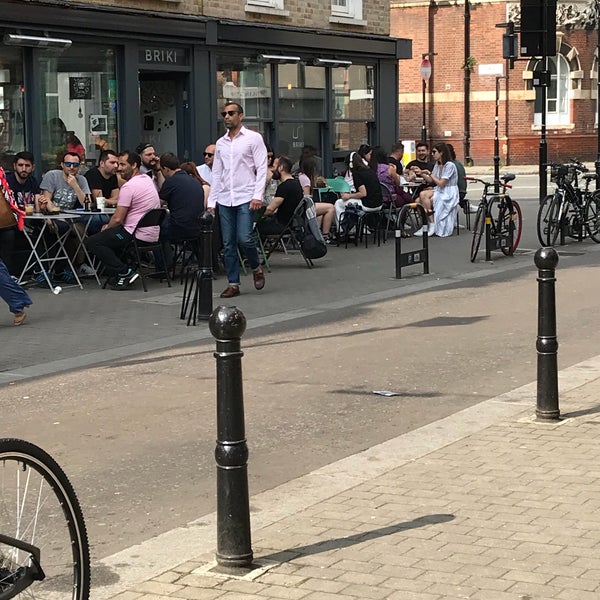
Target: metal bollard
[
  {"x": 234, "y": 550},
  {"x": 547, "y": 408}
]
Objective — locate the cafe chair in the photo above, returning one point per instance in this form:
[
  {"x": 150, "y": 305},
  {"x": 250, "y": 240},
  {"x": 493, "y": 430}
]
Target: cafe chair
[{"x": 153, "y": 218}]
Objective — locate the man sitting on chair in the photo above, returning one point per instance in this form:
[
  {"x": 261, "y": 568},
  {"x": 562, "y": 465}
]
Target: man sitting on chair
[
  {"x": 288, "y": 195},
  {"x": 137, "y": 196}
]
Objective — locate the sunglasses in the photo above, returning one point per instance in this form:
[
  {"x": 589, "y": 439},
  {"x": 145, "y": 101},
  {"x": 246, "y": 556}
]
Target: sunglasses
[
  {"x": 229, "y": 112},
  {"x": 208, "y": 154},
  {"x": 71, "y": 164}
]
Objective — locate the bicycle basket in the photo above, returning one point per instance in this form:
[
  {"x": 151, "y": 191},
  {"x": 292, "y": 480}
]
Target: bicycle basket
[{"x": 558, "y": 172}]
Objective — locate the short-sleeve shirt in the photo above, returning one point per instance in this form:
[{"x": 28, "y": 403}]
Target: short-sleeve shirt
[
  {"x": 97, "y": 181},
  {"x": 139, "y": 195},
  {"x": 292, "y": 194},
  {"x": 368, "y": 178},
  {"x": 63, "y": 195},
  {"x": 24, "y": 192}
]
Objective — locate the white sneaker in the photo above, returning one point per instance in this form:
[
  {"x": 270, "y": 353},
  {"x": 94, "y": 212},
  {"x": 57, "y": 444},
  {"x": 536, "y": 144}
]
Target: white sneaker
[
  {"x": 421, "y": 231},
  {"x": 85, "y": 271},
  {"x": 431, "y": 230},
  {"x": 473, "y": 208}
]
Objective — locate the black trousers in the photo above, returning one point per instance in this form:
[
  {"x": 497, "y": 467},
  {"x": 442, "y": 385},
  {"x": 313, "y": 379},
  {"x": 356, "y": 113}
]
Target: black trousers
[{"x": 107, "y": 246}]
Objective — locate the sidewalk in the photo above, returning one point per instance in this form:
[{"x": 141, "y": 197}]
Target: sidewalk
[{"x": 485, "y": 504}]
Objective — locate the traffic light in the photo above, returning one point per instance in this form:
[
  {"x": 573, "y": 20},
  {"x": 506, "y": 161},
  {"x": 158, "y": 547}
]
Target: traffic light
[
  {"x": 509, "y": 48},
  {"x": 538, "y": 27}
]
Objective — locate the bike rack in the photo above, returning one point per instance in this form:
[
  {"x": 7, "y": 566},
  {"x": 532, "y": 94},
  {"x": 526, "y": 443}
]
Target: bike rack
[
  {"x": 413, "y": 257},
  {"x": 496, "y": 242}
]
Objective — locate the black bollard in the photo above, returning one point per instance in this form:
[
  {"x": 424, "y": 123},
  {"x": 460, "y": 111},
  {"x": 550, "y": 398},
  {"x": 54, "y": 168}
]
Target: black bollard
[
  {"x": 547, "y": 408},
  {"x": 234, "y": 550}
]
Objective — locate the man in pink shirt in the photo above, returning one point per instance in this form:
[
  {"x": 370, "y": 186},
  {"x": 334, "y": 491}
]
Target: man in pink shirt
[
  {"x": 239, "y": 177},
  {"x": 137, "y": 196}
]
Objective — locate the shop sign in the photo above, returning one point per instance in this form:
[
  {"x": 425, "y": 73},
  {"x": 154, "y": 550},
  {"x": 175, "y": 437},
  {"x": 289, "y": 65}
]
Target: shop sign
[{"x": 164, "y": 56}]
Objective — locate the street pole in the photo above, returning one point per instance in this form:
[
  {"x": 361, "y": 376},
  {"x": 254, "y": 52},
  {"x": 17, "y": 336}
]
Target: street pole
[
  {"x": 497, "y": 138},
  {"x": 425, "y": 75},
  {"x": 597, "y": 163},
  {"x": 424, "y": 125}
]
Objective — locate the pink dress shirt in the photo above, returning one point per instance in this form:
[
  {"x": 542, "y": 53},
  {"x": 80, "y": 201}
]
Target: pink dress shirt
[{"x": 239, "y": 172}]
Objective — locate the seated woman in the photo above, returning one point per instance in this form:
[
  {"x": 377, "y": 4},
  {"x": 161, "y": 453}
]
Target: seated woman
[
  {"x": 325, "y": 212},
  {"x": 368, "y": 193},
  {"x": 440, "y": 202},
  {"x": 387, "y": 174}
]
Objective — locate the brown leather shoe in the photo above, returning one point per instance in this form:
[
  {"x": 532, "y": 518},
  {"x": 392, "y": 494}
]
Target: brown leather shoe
[
  {"x": 259, "y": 278},
  {"x": 231, "y": 291},
  {"x": 19, "y": 318}
]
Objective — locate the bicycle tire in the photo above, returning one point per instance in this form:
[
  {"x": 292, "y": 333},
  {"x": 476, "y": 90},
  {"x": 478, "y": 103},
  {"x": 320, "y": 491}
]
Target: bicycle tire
[
  {"x": 38, "y": 506},
  {"x": 592, "y": 216},
  {"x": 514, "y": 219},
  {"x": 542, "y": 220},
  {"x": 555, "y": 219},
  {"x": 409, "y": 221},
  {"x": 478, "y": 229}
]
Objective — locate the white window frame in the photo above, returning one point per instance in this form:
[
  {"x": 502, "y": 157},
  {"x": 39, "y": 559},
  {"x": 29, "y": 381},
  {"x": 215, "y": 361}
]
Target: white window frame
[
  {"x": 563, "y": 96},
  {"x": 267, "y": 6},
  {"x": 352, "y": 9}
]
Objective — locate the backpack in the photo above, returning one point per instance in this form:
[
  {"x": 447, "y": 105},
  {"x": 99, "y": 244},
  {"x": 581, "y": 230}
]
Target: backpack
[
  {"x": 312, "y": 243},
  {"x": 349, "y": 219}
]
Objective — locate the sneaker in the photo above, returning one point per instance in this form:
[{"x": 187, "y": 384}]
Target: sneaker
[
  {"x": 85, "y": 271},
  {"x": 41, "y": 280},
  {"x": 431, "y": 230},
  {"x": 473, "y": 208},
  {"x": 421, "y": 231},
  {"x": 67, "y": 276},
  {"x": 123, "y": 281}
]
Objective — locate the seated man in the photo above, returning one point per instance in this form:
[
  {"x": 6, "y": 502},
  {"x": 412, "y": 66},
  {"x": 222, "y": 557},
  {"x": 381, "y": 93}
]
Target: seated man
[
  {"x": 137, "y": 196},
  {"x": 103, "y": 183},
  {"x": 66, "y": 189},
  {"x": 288, "y": 195}
]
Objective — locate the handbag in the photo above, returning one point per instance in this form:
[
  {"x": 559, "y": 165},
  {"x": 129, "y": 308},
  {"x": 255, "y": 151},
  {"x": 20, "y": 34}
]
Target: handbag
[{"x": 7, "y": 216}]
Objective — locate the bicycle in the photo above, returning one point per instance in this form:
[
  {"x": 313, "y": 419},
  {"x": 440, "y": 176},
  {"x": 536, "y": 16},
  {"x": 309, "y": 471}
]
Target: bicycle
[
  {"x": 569, "y": 210},
  {"x": 503, "y": 230},
  {"x": 44, "y": 550}
]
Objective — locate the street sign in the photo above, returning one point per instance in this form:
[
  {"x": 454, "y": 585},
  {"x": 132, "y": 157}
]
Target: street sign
[{"x": 425, "y": 69}]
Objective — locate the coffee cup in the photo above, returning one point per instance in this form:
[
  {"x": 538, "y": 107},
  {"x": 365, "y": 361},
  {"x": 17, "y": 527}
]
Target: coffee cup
[{"x": 100, "y": 202}]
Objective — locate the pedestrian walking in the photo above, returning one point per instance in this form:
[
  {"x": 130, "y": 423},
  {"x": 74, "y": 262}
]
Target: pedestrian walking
[
  {"x": 239, "y": 177},
  {"x": 14, "y": 295}
]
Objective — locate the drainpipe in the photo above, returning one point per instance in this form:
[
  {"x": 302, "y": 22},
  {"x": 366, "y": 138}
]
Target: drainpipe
[{"x": 467, "y": 87}]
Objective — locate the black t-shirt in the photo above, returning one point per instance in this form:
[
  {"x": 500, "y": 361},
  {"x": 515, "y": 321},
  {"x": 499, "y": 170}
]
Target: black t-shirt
[
  {"x": 427, "y": 165},
  {"x": 368, "y": 178},
  {"x": 24, "y": 192},
  {"x": 292, "y": 193},
  {"x": 97, "y": 181},
  {"x": 397, "y": 162},
  {"x": 184, "y": 196}
]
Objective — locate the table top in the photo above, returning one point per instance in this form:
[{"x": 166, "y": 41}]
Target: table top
[
  {"x": 76, "y": 211},
  {"x": 41, "y": 217}
]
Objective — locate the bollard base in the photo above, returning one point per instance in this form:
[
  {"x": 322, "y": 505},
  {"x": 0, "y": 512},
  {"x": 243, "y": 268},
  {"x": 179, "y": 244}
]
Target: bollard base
[
  {"x": 236, "y": 563},
  {"x": 547, "y": 415}
]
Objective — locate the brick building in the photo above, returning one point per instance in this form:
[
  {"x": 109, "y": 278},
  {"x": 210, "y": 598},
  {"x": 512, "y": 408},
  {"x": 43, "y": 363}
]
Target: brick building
[
  {"x": 461, "y": 102},
  {"x": 118, "y": 72}
]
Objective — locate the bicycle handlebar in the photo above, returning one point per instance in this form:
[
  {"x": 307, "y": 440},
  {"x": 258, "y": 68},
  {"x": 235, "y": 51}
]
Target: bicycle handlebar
[{"x": 504, "y": 184}]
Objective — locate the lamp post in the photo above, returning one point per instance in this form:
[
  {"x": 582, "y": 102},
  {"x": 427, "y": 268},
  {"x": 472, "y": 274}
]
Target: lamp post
[{"x": 425, "y": 75}]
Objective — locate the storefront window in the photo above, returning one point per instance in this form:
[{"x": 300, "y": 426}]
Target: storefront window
[
  {"x": 247, "y": 83},
  {"x": 353, "y": 105},
  {"x": 301, "y": 92},
  {"x": 78, "y": 102},
  {"x": 12, "y": 118}
]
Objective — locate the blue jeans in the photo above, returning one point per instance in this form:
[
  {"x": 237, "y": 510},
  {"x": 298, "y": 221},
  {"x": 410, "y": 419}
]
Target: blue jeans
[
  {"x": 11, "y": 292},
  {"x": 237, "y": 230}
]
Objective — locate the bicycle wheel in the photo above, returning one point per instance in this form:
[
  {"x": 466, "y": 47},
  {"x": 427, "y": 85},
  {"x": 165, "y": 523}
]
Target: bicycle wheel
[
  {"x": 555, "y": 219},
  {"x": 513, "y": 220},
  {"x": 409, "y": 221},
  {"x": 478, "y": 229},
  {"x": 542, "y": 220},
  {"x": 38, "y": 506},
  {"x": 592, "y": 216}
]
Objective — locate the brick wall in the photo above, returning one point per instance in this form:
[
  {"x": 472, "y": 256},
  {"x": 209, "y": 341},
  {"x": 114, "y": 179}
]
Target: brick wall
[
  {"x": 306, "y": 14},
  {"x": 440, "y": 29}
]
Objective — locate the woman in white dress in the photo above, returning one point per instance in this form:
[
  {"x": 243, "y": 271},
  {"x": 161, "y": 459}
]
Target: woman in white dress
[{"x": 440, "y": 202}]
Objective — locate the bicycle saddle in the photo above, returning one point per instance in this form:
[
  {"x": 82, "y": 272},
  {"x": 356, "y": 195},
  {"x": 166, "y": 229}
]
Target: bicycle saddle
[{"x": 507, "y": 177}]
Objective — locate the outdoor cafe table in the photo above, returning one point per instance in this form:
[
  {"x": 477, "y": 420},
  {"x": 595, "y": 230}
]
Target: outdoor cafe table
[
  {"x": 82, "y": 233},
  {"x": 47, "y": 251}
]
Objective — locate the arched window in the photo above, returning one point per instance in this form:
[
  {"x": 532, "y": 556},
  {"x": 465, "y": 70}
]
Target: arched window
[{"x": 557, "y": 97}]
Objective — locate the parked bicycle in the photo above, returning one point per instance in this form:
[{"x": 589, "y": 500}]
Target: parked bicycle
[
  {"x": 569, "y": 211},
  {"x": 44, "y": 551},
  {"x": 499, "y": 217}
]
